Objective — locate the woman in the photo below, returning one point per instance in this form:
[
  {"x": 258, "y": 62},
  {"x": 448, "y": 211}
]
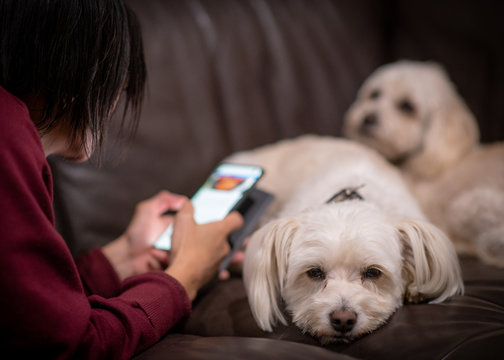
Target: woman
[{"x": 63, "y": 66}]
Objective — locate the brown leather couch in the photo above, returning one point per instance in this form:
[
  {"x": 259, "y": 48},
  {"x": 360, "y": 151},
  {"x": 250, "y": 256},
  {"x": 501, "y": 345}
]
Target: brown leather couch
[{"x": 228, "y": 75}]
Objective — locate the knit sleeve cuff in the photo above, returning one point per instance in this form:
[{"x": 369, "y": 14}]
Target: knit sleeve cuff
[
  {"x": 162, "y": 298},
  {"x": 97, "y": 274}
]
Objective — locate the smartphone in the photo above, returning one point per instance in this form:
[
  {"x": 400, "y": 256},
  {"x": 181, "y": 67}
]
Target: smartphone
[{"x": 221, "y": 193}]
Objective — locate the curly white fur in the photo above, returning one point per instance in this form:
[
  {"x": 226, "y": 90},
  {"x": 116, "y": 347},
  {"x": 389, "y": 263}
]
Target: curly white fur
[
  {"x": 412, "y": 114},
  {"x": 341, "y": 242}
]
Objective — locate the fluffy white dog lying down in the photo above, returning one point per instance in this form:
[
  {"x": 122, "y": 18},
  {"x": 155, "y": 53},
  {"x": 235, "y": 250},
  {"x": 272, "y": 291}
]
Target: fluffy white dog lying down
[
  {"x": 339, "y": 270},
  {"x": 412, "y": 114}
]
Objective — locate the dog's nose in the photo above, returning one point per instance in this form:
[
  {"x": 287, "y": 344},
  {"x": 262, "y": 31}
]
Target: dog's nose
[
  {"x": 370, "y": 120},
  {"x": 368, "y": 124},
  {"x": 343, "y": 321}
]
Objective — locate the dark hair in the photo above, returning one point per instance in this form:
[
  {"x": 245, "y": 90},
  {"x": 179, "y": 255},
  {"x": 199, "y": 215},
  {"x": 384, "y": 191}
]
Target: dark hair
[{"x": 78, "y": 56}]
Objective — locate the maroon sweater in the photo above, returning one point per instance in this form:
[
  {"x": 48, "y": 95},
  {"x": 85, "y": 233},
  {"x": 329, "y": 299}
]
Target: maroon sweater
[{"x": 51, "y": 306}]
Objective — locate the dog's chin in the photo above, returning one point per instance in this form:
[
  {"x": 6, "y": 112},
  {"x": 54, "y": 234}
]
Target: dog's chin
[
  {"x": 368, "y": 137},
  {"x": 335, "y": 338},
  {"x": 327, "y": 336}
]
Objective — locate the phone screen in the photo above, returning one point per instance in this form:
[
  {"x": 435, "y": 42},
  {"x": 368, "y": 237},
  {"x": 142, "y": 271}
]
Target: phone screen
[{"x": 218, "y": 196}]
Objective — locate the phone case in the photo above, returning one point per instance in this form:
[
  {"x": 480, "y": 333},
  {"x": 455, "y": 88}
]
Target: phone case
[{"x": 251, "y": 208}]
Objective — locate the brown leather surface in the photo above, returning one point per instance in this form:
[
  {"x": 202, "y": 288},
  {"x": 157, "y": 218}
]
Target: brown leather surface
[
  {"x": 222, "y": 348},
  {"x": 228, "y": 75}
]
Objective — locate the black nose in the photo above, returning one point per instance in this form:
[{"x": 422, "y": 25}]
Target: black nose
[
  {"x": 368, "y": 124},
  {"x": 343, "y": 321},
  {"x": 370, "y": 119}
]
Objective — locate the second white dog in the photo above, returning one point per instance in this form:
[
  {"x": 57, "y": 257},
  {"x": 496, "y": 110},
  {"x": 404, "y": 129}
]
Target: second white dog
[
  {"x": 339, "y": 270},
  {"x": 411, "y": 112}
]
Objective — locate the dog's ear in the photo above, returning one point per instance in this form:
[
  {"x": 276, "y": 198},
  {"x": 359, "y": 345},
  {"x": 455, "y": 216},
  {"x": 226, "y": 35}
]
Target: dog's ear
[
  {"x": 264, "y": 270},
  {"x": 431, "y": 269},
  {"x": 451, "y": 131}
]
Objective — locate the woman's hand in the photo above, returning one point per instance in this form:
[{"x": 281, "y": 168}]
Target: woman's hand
[
  {"x": 132, "y": 253},
  {"x": 198, "y": 250}
]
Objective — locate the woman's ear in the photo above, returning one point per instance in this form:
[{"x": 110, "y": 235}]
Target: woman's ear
[
  {"x": 265, "y": 268},
  {"x": 431, "y": 269}
]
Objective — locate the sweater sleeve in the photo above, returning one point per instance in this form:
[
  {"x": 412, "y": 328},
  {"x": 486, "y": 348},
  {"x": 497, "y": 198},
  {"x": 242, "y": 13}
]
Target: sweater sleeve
[
  {"x": 97, "y": 274},
  {"x": 45, "y": 310},
  {"x": 148, "y": 306}
]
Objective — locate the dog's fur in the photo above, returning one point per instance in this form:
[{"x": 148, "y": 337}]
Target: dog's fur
[
  {"x": 412, "y": 114},
  {"x": 318, "y": 262}
]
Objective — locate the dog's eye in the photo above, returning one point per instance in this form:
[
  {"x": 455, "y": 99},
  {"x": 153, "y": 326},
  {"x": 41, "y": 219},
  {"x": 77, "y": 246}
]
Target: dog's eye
[
  {"x": 372, "y": 273},
  {"x": 375, "y": 94},
  {"x": 316, "y": 273},
  {"x": 406, "y": 107}
]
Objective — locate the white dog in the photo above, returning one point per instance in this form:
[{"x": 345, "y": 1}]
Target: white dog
[
  {"x": 411, "y": 113},
  {"x": 340, "y": 269}
]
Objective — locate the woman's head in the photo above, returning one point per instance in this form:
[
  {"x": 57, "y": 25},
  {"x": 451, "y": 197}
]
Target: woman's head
[{"x": 70, "y": 60}]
